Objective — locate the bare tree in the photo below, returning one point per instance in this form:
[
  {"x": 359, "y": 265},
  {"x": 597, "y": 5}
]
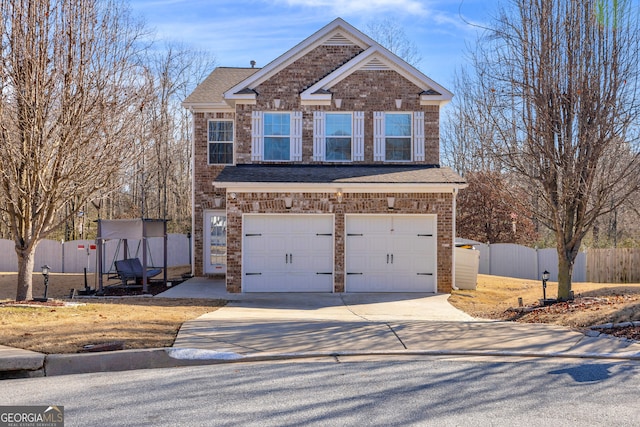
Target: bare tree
[
  {"x": 466, "y": 140},
  {"x": 560, "y": 79},
  {"x": 69, "y": 87},
  {"x": 490, "y": 209},
  {"x": 391, "y": 35},
  {"x": 171, "y": 73}
]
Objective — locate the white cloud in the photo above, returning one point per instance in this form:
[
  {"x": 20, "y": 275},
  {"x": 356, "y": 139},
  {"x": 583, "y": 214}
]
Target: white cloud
[{"x": 342, "y": 7}]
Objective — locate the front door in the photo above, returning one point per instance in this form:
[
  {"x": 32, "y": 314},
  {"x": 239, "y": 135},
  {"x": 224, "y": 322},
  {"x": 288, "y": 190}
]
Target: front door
[{"x": 215, "y": 242}]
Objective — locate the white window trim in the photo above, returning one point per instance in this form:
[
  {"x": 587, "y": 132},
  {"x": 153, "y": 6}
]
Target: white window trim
[
  {"x": 379, "y": 136},
  {"x": 328, "y": 113},
  {"x": 320, "y": 138},
  {"x": 295, "y": 136},
  {"x": 232, "y": 142}
]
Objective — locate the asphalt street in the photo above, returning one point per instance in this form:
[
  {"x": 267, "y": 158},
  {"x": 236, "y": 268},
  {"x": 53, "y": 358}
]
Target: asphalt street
[{"x": 347, "y": 392}]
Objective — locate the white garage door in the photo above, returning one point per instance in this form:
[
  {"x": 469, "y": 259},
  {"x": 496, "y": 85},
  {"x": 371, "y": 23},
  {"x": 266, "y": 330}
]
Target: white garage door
[
  {"x": 391, "y": 253},
  {"x": 287, "y": 253}
]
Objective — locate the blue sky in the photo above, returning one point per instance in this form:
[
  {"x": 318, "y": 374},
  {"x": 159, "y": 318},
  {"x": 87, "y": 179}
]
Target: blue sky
[{"x": 238, "y": 31}]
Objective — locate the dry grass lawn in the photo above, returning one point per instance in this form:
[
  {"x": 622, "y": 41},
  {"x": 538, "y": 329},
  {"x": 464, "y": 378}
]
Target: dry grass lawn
[
  {"x": 143, "y": 322},
  {"x": 595, "y": 303},
  {"x": 147, "y": 322}
]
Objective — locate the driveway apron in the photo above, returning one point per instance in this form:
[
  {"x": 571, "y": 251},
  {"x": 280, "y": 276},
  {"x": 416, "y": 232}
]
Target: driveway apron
[{"x": 253, "y": 324}]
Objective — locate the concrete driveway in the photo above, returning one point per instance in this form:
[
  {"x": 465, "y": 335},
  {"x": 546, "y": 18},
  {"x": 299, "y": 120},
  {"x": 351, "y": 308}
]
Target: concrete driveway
[{"x": 255, "y": 324}]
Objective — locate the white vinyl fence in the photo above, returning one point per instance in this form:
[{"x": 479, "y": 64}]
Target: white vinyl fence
[
  {"x": 501, "y": 259},
  {"x": 510, "y": 260},
  {"x": 75, "y": 256}
]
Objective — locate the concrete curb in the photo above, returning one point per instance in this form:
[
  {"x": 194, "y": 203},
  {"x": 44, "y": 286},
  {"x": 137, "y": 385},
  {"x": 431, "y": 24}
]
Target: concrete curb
[
  {"x": 19, "y": 363},
  {"x": 126, "y": 360},
  {"x": 113, "y": 361},
  {"x": 615, "y": 325}
]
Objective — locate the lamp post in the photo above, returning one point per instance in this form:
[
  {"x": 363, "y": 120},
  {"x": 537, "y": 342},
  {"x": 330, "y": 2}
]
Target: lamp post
[
  {"x": 45, "y": 273},
  {"x": 545, "y": 277}
]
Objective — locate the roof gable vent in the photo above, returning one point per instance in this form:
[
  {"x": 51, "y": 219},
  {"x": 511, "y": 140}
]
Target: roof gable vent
[
  {"x": 375, "y": 65},
  {"x": 338, "y": 40}
]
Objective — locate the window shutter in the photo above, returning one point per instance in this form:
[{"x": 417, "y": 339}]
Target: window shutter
[
  {"x": 318, "y": 136},
  {"x": 358, "y": 136},
  {"x": 418, "y": 136},
  {"x": 378, "y": 136},
  {"x": 296, "y": 136},
  {"x": 257, "y": 140}
]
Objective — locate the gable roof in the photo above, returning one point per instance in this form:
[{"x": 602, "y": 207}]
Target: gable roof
[
  {"x": 209, "y": 93},
  {"x": 377, "y": 58},
  {"x": 339, "y": 32}
]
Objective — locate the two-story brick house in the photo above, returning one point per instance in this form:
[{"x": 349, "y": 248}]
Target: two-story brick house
[{"x": 320, "y": 172}]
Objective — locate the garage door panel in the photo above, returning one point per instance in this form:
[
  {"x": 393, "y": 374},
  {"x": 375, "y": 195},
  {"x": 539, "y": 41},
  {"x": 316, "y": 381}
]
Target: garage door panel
[
  {"x": 288, "y": 254},
  {"x": 358, "y": 244},
  {"x": 394, "y": 253},
  {"x": 412, "y": 225}
]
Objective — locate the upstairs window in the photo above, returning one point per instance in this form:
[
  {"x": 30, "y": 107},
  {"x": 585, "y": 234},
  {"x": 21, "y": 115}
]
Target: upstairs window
[
  {"x": 338, "y": 134},
  {"x": 397, "y": 132},
  {"x": 277, "y": 136},
  {"x": 220, "y": 142}
]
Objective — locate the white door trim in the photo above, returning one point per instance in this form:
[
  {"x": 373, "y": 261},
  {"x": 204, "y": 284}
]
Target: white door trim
[{"x": 208, "y": 267}]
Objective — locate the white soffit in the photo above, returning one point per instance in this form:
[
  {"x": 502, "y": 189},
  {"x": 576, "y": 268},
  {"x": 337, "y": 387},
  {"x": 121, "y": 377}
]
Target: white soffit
[{"x": 344, "y": 187}]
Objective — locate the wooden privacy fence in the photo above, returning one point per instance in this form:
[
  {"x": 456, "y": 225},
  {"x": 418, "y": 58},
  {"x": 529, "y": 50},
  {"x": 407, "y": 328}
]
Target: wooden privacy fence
[{"x": 619, "y": 265}]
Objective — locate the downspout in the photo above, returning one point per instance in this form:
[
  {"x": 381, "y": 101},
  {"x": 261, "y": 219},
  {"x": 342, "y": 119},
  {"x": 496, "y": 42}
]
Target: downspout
[
  {"x": 193, "y": 194},
  {"x": 453, "y": 246}
]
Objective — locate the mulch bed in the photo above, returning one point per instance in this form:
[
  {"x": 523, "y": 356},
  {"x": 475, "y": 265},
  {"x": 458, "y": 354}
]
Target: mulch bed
[
  {"x": 153, "y": 288},
  {"x": 629, "y": 332},
  {"x": 49, "y": 303},
  {"x": 534, "y": 312}
]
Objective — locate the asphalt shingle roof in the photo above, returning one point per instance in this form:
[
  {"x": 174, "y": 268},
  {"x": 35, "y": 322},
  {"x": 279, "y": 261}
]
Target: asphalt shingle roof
[
  {"x": 321, "y": 174},
  {"x": 219, "y": 81}
]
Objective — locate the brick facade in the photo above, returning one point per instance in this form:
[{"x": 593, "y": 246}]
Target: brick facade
[
  {"x": 367, "y": 90},
  {"x": 204, "y": 193},
  {"x": 440, "y": 204}
]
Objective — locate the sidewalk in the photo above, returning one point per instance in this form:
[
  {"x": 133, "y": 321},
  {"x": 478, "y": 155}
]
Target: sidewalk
[{"x": 286, "y": 326}]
